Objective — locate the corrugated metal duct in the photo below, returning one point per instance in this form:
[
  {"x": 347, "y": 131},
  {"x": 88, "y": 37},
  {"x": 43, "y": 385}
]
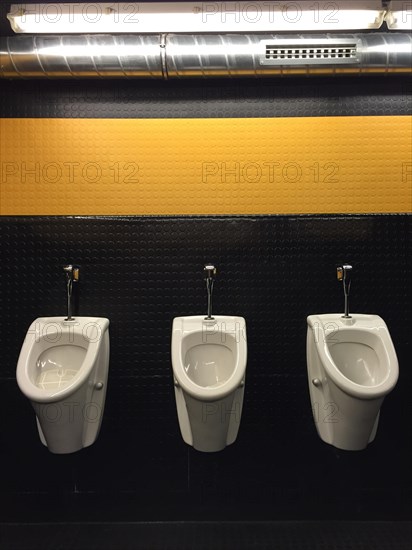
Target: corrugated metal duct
[{"x": 204, "y": 55}]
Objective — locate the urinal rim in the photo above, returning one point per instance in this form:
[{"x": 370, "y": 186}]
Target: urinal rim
[
  {"x": 206, "y": 393},
  {"x": 39, "y": 395},
  {"x": 370, "y": 323}
]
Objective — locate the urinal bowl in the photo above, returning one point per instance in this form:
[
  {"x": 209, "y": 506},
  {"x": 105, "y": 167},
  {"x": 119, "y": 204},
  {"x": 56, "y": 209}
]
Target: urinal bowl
[
  {"x": 352, "y": 365},
  {"x": 62, "y": 369},
  {"x": 209, "y": 368}
]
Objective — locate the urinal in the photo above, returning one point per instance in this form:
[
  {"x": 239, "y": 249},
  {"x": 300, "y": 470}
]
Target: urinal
[
  {"x": 62, "y": 369},
  {"x": 352, "y": 366},
  {"x": 209, "y": 369},
  {"x": 209, "y": 356}
]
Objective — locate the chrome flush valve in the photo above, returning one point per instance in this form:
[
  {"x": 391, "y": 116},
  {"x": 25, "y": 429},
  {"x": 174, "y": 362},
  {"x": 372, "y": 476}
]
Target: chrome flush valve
[
  {"x": 209, "y": 273},
  {"x": 72, "y": 272},
  {"x": 72, "y": 276},
  {"x": 344, "y": 274}
]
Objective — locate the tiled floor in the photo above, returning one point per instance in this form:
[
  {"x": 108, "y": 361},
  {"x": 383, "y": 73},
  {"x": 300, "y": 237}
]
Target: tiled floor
[{"x": 289, "y": 535}]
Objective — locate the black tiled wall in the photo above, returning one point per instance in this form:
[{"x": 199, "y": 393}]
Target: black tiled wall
[{"x": 141, "y": 272}]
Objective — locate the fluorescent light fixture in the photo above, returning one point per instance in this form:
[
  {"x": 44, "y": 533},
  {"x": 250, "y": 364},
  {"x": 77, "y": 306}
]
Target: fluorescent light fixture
[
  {"x": 399, "y": 15},
  {"x": 196, "y": 17}
]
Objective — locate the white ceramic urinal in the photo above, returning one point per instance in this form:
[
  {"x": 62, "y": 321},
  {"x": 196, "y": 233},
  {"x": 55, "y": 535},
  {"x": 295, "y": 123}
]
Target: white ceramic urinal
[
  {"x": 62, "y": 369},
  {"x": 209, "y": 368},
  {"x": 352, "y": 365}
]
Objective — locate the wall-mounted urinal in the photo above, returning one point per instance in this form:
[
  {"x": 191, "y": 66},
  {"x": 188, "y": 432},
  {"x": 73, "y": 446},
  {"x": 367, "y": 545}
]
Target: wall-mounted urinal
[
  {"x": 352, "y": 365},
  {"x": 209, "y": 357},
  {"x": 62, "y": 369}
]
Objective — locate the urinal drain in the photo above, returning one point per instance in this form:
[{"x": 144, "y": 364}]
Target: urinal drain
[{"x": 55, "y": 379}]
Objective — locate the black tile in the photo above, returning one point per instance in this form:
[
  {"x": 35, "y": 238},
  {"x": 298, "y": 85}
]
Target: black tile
[
  {"x": 209, "y": 535},
  {"x": 142, "y": 272}
]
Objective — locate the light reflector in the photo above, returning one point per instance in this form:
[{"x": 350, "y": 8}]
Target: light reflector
[{"x": 399, "y": 15}]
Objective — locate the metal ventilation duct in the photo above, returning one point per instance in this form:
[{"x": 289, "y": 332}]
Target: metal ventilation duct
[{"x": 208, "y": 55}]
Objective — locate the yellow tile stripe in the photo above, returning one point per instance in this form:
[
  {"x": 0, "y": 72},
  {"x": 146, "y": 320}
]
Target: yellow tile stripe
[{"x": 205, "y": 166}]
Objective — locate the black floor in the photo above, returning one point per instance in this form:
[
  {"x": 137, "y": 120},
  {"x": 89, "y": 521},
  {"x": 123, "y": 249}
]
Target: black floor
[{"x": 285, "y": 535}]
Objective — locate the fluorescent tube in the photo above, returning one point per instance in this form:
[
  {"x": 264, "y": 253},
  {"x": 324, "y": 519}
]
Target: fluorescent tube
[{"x": 196, "y": 17}]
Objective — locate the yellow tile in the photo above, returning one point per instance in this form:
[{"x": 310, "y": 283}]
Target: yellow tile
[{"x": 205, "y": 166}]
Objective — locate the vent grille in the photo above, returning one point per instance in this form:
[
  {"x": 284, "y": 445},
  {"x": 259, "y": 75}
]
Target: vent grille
[{"x": 284, "y": 54}]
